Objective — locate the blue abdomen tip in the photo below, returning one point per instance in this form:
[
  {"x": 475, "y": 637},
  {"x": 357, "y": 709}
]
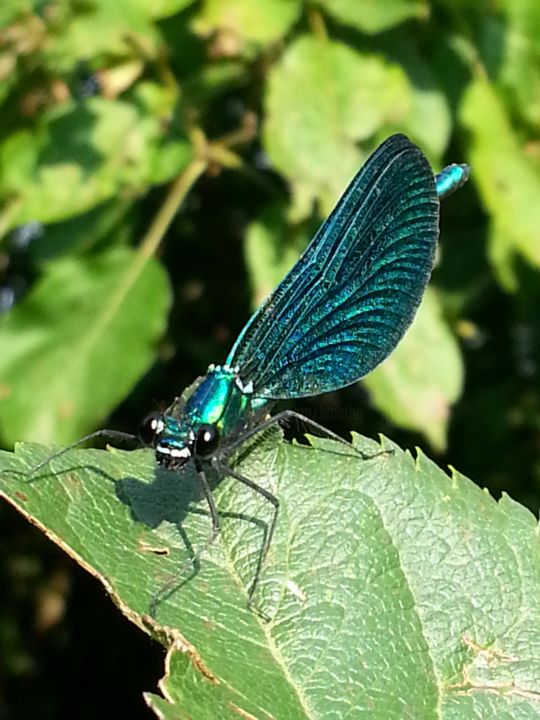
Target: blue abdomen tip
[{"x": 451, "y": 178}]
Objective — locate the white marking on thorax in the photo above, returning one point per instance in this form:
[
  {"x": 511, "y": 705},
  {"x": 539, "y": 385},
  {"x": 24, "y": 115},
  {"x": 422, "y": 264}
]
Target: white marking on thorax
[{"x": 247, "y": 389}]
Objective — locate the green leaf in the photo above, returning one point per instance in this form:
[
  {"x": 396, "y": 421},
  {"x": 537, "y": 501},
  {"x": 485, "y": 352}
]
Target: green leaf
[
  {"x": 427, "y": 99},
  {"x": 81, "y": 155},
  {"x": 261, "y": 22},
  {"x": 392, "y": 590},
  {"x": 75, "y": 346},
  {"x": 271, "y": 249},
  {"x": 373, "y": 17},
  {"x": 84, "y": 31},
  {"x": 518, "y": 70},
  {"x": 322, "y": 98},
  {"x": 163, "y": 8},
  {"x": 107, "y": 222},
  {"x": 508, "y": 181},
  {"x": 11, "y": 10},
  {"x": 416, "y": 386}
]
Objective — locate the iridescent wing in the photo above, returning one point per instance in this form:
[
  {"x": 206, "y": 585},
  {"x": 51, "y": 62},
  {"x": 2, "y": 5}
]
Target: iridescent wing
[{"x": 347, "y": 302}]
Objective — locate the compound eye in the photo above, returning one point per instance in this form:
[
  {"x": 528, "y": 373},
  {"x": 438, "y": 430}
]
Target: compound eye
[
  {"x": 206, "y": 441},
  {"x": 151, "y": 427}
]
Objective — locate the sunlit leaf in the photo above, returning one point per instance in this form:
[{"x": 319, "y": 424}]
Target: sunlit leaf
[
  {"x": 417, "y": 385},
  {"x": 262, "y": 22},
  {"x": 518, "y": 42},
  {"x": 429, "y": 121},
  {"x": 77, "y": 344},
  {"x": 113, "y": 28},
  {"x": 322, "y": 98},
  {"x": 80, "y": 155},
  {"x": 391, "y": 589},
  {"x": 271, "y": 249},
  {"x": 508, "y": 181},
  {"x": 373, "y": 16}
]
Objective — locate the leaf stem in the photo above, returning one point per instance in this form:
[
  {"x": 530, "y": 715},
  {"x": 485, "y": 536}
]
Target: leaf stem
[
  {"x": 150, "y": 242},
  {"x": 205, "y": 153},
  {"x": 317, "y": 24},
  {"x": 175, "y": 197}
]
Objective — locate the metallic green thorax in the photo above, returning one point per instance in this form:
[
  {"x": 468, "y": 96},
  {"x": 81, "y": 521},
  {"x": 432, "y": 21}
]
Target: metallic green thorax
[{"x": 219, "y": 399}]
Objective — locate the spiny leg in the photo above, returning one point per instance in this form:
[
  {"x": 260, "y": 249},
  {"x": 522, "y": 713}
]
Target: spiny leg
[
  {"x": 164, "y": 590},
  {"x": 116, "y": 436},
  {"x": 269, "y": 534},
  {"x": 292, "y": 414}
]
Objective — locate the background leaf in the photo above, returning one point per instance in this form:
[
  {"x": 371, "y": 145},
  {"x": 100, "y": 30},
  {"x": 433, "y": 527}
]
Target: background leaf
[
  {"x": 315, "y": 147},
  {"x": 508, "y": 180},
  {"x": 261, "y": 22},
  {"x": 419, "y": 382},
  {"x": 518, "y": 30},
  {"x": 65, "y": 370},
  {"x": 271, "y": 249},
  {"x": 81, "y": 156},
  {"x": 374, "y": 17}
]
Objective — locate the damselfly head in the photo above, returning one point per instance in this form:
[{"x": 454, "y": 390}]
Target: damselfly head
[
  {"x": 171, "y": 451},
  {"x": 174, "y": 449},
  {"x": 170, "y": 438}
]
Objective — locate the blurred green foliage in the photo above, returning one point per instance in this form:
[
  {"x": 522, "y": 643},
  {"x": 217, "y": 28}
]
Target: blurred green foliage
[{"x": 257, "y": 114}]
